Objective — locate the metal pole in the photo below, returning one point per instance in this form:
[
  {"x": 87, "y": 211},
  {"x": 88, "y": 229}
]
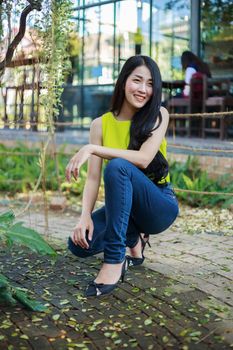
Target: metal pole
[
  {"x": 150, "y": 29},
  {"x": 82, "y": 73},
  {"x": 195, "y": 26},
  {"x": 114, "y": 43}
]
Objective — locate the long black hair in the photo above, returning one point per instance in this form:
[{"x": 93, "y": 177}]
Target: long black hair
[
  {"x": 145, "y": 119},
  {"x": 189, "y": 58}
]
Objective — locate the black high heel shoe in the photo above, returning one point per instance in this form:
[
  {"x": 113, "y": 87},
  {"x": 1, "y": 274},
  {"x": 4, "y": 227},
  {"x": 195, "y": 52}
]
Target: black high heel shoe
[
  {"x": 132, "y": 261},
  {"x": 97, "y": 289}
]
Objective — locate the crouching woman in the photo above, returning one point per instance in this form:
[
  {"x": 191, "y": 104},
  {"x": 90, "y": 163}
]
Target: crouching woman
[{"x": 130, "y": 138}]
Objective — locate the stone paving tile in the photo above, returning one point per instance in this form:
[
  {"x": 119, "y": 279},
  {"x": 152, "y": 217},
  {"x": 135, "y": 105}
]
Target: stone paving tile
[
  {"x": 148, "y": 311},
  {"x": 158, "y": 307}
]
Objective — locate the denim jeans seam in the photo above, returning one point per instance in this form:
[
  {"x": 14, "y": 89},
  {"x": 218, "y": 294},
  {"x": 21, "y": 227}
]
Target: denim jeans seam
[
  {"x": 124, "y": 202},
  {"x": 121, "y": 218},
  {"x": 122, "y": 212}
]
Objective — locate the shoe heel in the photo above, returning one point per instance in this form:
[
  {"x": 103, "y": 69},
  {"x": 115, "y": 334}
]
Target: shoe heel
[
  {"x": 124, "y": 269},
  {"x": 97, "y": 289}
]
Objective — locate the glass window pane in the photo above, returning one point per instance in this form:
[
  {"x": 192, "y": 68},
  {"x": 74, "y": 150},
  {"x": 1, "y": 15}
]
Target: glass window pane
[
  {"x": 216, "y": 36},
  {"x": 98, "y": 48},
  {"x": 126, "y": 29},
  {"x": 170, "y": 35},
  {"x": 145, "y": 25}
]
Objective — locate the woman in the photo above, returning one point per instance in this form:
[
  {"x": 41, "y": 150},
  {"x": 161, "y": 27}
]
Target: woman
[
  {"x": 138, "y": 194},
  {"x": 191, "y": 65}
]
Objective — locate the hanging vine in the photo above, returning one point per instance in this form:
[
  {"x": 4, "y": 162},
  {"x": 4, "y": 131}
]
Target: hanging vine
[
  {"x": 55, "y": 59},
  {"x": 54, "y": 27},
  {"x": 57, "y": 27}
]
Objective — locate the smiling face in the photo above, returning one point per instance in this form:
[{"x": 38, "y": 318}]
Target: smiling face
[{"x": 138, "y": 88}]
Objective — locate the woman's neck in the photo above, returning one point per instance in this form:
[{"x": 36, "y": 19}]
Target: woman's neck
[{"x": 127, "y": 112}]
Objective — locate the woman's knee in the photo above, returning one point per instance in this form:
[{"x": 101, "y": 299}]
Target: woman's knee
[
  {"x": 77, "y": 250},
  {"x": 115, "y": 165}
]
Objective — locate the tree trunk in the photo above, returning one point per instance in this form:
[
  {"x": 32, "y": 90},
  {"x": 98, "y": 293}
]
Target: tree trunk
[{"x": 34, "y": 5}]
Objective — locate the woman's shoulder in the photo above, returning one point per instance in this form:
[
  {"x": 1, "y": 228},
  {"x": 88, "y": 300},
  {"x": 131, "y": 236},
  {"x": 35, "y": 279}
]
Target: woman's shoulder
[
  {"x": 164, "y": 112},
  {"x": 192, "y": 65},
  {"x": 190, "y": 70},
  {"x": 96, "y": 131},
  {"x": 96, "y": 123},
  {"x": 165, "y": 117},
  {"x": 100, "y": 121}
]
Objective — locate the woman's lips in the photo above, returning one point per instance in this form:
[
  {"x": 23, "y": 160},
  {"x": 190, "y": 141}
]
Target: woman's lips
[{"x": 139, "y": 98}]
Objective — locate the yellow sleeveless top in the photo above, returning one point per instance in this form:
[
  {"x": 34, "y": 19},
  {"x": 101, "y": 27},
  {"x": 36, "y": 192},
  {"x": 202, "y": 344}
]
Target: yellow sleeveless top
[{"x": 116, "y": 134}]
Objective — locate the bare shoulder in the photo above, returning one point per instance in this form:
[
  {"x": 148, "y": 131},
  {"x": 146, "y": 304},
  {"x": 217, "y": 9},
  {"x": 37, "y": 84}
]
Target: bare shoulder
[
  {"x": 96, "y": 131},
  {"x": 96, "y": 123},
  {"x": 165, "y": 117},
  {"x": 164, "y": 112}
]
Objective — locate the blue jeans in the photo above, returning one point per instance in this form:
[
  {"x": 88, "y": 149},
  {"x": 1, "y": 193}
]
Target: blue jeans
[{"x": 133, "y": 204}]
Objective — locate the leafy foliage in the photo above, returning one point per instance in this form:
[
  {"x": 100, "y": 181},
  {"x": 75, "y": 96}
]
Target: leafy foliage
[
  {"x": 25, "y": 170},
  {"x": 20, "y": 173},
  {"x": 56, "y": 28},
  {"x": 190, "y": 176},
  {"x": 216, "y": 18},
  {"x": 9, "y": 295},
  {"x": 11, "y": 232}
]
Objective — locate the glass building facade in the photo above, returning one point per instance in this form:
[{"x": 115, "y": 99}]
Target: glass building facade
[
  {"x": 105, "y": 34},
  {"x": 108, "y": 32}
]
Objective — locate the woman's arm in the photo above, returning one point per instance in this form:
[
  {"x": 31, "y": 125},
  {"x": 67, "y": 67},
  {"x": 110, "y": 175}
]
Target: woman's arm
[
  {"x": 91, "y": 188},
  {"x": 145, "y": 154},
  {"x": 188, "y": 75},
  {"x": 140, "y": 158},
  {"x": 90, "y": 191}
]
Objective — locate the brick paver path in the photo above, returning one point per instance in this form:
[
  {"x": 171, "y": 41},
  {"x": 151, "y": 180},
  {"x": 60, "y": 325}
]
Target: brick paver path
[{"x": 181, "y": 298}]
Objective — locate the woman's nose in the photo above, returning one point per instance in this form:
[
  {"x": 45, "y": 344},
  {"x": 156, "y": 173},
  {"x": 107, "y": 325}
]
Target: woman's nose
[{"x": 142, "y": 87}]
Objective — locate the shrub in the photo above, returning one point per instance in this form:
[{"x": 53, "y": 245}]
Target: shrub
[
  {"x": 190, "y": 176},
  {"x": 19, "y": 173},
  {"x": 11, "y": 232},
  {"x": 25, "y": 170}
]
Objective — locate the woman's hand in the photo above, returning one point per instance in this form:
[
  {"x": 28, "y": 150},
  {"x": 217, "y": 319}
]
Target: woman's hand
[
  {"x": 77, "y": 161},
  {"x": 79, "y": 234}
]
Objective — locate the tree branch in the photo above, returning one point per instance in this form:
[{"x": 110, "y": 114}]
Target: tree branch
[
  {"x": 34, "y": 5},
  {"x": 1, "y": 26}
]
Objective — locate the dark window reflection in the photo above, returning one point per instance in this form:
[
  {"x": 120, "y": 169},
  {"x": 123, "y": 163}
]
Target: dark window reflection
[{"x": 216, "y": 36}]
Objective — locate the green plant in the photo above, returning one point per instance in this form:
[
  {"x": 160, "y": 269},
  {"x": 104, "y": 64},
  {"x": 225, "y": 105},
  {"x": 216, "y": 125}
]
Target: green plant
[
  {"x": 19, "y": 171},
  {"x": 55, "y": 30},
  {"x": 10, "y": 233},
  {"x": 25, "y": 170},
  {"x": 190, "y": 176},
  {"x": 77, "y": 186}
]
